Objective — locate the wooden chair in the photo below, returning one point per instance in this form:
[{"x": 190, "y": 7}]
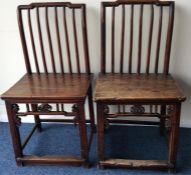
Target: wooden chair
[
  {"x": 134, "y": 79},
  {"x": 55, "y": 46}
]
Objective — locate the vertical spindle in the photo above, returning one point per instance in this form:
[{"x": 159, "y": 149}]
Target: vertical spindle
[
  {"x": 122, "y": 39},
  {"x": 50, "y": 41},
  {"x": 140, "y": 39},
  {"x": 150, "y": 39},
  {"x": 131, "y": 39},
  {"x": 41, "y": 41}
]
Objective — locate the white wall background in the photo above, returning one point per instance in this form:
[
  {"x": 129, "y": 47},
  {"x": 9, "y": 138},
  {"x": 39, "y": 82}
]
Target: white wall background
[{"x": 12, "y": 63}]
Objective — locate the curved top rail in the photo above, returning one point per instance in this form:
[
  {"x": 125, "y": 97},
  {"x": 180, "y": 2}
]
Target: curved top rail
[
  {"x": 156, "y": 2},
  {"x": 50, "y": 4}
]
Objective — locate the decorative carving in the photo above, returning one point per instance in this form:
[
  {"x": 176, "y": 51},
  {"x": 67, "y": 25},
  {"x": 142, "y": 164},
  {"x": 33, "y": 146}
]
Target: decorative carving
[
  {"x": 17, "y": 119},
  {"x": 44, "y": 108},
  {"x": 15, "y": 107},
  {"x": 75, "y": 108},
  {"x": 170, "y": 109},
  {"x": 106, "y": 109},
  {"x": 167, "y": 124},
  {"x": 137, "y": 109},
  {"x": 106, "y": 124}
]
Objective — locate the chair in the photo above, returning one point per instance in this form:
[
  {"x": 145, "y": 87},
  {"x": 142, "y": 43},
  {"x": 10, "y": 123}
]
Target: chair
[
  {"x": 135, "y": 80},
  {"x": 55, "y": 47}
]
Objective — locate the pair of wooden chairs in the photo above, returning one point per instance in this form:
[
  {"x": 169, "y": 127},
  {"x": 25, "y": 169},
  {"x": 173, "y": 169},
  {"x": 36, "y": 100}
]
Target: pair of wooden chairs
[{"x": 58, "y": 73}]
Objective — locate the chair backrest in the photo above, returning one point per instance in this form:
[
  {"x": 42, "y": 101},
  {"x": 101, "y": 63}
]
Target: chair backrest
[
  {"x": 54, "y": 37},
  {"x": 136, "y": 36}
]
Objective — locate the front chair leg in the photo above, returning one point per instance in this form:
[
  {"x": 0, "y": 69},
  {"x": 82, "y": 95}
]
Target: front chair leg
[
  {"x": 100, "y": 134},
  {"x": 83, "y": 133},
  {"x": 14, "y": 121},
  {"x": 173, "y": 138},
  {"x": 36, "y": 118}
]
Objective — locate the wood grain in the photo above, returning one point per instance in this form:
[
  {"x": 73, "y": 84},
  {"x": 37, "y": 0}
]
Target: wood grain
[
  {"x": 133, "y": 87},
  {"x": 51, "y": 86}
]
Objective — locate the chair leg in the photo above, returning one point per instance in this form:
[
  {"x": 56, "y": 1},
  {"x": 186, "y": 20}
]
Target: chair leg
[
  {"x": 162, "y": 120},
  {"x": 173, "y": 138},
  {"x": 37, "y": 118},
  {"x": 100, "y": 133},
  {"x": 83, "y": 133},
  {"x": 15, "y": 135},
  {"x": 91, "y": 109}
]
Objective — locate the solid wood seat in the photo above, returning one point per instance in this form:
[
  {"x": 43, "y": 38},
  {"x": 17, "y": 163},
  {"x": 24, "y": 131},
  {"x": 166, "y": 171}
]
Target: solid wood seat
[
  {"x": 134, "y": 87},
  {"x": 51, "y": 86}
]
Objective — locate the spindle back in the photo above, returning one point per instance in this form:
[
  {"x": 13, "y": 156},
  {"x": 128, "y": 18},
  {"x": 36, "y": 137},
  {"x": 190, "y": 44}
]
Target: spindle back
[
  {"x": 136, "y": 36},
  {"x": 54, "y": 37}
]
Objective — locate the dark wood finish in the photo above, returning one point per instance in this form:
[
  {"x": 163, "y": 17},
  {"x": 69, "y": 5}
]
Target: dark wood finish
[
  {"x": 36, "y": 117},
  {"x": 113, "y": 41},
  {"x": 141, "y": 86},
  {"x": 162, "y": 120},
  {"x": 85, "y": 40},
  {"x": 140, "y": 39},
  {"x": 103, "y": 42},
  {"x": 131, "y": 39},
  {"x": 58, "y": 40},
  {"x": 14, "y": 132},
  {"x": 122, "y": 39},
  {"x": 46, "y": 86},
  {"x": 67, "y": 40},
  {"x": 41, "y": 41},
  {"x": 32, "y": 41},
  {"x": 76, "y": 40},
  {"x": 50, "y": 42},
  {"x": 150, "y": 39},
  {"x": 169, "y": 38},
  {"x": 159, "y": 40},
  {"x": 173, "y": 137},
  {"x": 100, "y": 131}
]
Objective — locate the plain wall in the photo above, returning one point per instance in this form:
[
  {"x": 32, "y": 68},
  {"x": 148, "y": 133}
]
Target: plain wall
[{"x": 12, "y": 62}]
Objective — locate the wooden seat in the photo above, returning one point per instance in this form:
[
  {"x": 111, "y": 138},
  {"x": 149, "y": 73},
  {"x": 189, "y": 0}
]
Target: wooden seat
[
  {"x": 55, "y": 47},
  {"x": 135, "y": 88},
  {"x": 134, "y": 80},
  {"x": 51, "y": 86}
]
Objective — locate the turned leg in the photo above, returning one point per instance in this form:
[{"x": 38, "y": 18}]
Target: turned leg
[
  {"x": 83, "y": 133},
  {"x": 14, "y": 123},
  {"x": 100, "y": 133},
  {"x": 162, "y": 120},
  {"x": 37, "y": 118},
  {"x": 173, "y": 138}
]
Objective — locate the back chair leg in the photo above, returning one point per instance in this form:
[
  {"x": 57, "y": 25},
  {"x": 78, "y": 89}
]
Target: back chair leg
[
  {"x": 37, "y": 118},
  {"x": 91, "y": 110},
  {"x": 14, "y": 129},
  {"x": 162, "y": 120},
  {"x": 83, "y": 133}
]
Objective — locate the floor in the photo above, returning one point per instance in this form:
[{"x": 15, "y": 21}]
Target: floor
[{"x": 133, "y": 142}]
